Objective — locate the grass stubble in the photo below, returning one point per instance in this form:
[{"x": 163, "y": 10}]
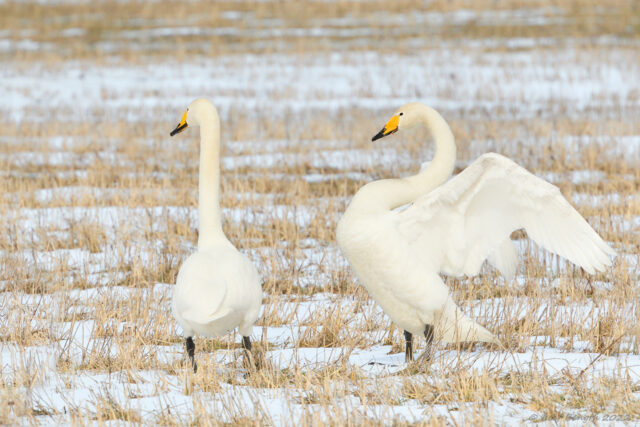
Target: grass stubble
[{"x": 92, "y": 228}]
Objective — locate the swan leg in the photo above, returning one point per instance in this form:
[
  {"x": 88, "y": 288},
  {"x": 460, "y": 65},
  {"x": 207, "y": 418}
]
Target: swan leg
[
  {"x": 246, "y": 345},
  {"x": 408, "y": 351},
  {"x": 428, "y": 335},
  {"x": 191, "y": 349}
]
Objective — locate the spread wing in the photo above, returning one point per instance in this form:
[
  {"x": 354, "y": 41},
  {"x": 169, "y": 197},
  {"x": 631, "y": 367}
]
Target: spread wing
[{"x": 469, "y": 219}]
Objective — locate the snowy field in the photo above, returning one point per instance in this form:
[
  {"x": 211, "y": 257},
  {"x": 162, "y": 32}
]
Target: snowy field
[{"x": 98, "y": 208}]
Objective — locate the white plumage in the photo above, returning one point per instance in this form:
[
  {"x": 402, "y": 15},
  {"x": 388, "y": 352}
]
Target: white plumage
[
  {"x": 452, "y": 227},
  {"x": 474, "y": 213},
  {"x": 218, "y": 289}
]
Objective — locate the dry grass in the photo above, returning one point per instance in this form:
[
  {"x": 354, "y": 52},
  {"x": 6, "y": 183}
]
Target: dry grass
[
  {"x": 97, "y": 212},
  {"x": 136, "y": 31}
]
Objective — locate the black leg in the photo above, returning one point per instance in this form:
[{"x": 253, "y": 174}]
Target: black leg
[
  {"x": 246, "y": 344},
  {"x": 428, "y": 335},
  {"x": 191, "y": 350},
  {"x": 408, "y": 351}
]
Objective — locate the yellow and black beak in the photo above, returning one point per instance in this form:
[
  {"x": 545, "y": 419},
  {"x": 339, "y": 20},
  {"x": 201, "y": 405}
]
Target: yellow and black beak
[
  {"x": 389, "y": 128},
  {"x": 181, "y": 126}
]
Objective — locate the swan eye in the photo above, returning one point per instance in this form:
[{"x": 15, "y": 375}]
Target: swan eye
[{"x": 400, "y": 114}]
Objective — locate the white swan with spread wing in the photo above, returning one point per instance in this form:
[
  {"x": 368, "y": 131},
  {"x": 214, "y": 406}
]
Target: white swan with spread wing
[
  {"x": 218, "y": 289},
  {"x": 451, "y": 227}
]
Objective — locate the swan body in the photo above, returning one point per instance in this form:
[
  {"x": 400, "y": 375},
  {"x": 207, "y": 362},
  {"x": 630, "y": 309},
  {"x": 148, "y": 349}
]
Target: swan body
[
  {"x": 451, "y": 227},
  {"x": 217, "y": 289}
]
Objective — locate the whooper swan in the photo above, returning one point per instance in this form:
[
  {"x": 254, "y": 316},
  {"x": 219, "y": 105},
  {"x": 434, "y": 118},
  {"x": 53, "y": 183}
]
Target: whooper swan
[
  {"x": 218, "y": 288},
  {"x": 452, "y": 227}
]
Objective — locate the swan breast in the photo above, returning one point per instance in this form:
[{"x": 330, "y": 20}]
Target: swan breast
[{"x": 216, "y": 291}]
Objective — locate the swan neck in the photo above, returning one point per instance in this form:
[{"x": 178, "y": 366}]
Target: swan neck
[
  {"x": 441, "y": 167},
  {"x": 392, "y": 193},
  {"x": 210, "y": 224}
]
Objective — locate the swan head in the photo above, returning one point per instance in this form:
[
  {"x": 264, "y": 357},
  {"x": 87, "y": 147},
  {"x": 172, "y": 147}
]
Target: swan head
[
  {"x": 405, "y": 117},
  {"x": 198, "y": 112}
]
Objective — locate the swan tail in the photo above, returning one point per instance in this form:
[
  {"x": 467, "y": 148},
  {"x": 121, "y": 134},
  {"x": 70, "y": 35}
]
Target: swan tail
[{"x": 456, "y": 327}]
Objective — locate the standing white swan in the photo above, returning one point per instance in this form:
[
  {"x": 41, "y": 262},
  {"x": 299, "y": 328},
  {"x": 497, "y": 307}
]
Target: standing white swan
[
  {"x": 452, "y": 227},
  {"x": 218, "y": 288}
]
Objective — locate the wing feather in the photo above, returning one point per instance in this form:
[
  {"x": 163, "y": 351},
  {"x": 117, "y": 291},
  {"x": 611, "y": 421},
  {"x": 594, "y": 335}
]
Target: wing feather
[{"x": 479, "y": 209}]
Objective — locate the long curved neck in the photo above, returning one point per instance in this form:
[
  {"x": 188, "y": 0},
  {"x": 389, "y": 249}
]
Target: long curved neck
[
  {"x": 443, "y": 162},
  {"x": 210, "y": 227},
  {"x": 392, "y": 193}
]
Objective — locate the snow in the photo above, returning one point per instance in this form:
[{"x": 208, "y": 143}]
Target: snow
[
  {"x": 145, "y": 395},
  {"x": 348, "y": 82}
]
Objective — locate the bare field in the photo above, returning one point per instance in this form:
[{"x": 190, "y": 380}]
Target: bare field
[{"x": 98, "y": 207}]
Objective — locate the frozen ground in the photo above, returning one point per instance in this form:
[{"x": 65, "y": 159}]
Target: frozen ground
[
  {"x": 93, "y": 335},
  {"x": 454, "y": 78}
]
